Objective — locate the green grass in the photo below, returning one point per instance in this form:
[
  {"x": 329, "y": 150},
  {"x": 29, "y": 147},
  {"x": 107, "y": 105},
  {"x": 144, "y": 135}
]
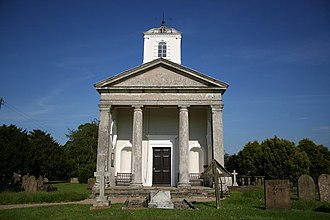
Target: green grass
[
  {"x": 240, "y": 205},
  {"x": 65, "y": 192}
]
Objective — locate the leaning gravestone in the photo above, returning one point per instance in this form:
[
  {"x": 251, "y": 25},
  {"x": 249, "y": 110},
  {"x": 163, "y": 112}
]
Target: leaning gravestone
[
  {"x": 306, "y": 188},
  {"x": 40, "y": 183},
  {"x": 31, "y": 185},
  {"x": 324, "y": 187},
  {"x": 160, "y": 199},
  {"x": 277, "y": 194}
]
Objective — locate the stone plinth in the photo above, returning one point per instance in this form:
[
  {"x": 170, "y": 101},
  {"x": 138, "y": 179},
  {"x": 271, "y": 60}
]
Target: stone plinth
[{"x": 161, "y": 199}]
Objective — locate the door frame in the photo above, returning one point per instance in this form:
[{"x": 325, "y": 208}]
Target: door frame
[
  {"x": 160, "y": 141},
  {"x": 170, "y": 164}
]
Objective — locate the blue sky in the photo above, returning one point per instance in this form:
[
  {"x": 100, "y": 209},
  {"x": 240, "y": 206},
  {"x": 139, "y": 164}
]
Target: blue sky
[{"x": 274, "y": 54}]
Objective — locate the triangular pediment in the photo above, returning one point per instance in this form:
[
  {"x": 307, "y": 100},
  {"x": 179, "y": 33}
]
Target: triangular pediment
[{"x": 160, "y": 73}]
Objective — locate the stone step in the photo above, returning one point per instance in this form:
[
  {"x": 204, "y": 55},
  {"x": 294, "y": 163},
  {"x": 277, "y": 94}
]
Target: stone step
[{"x": 117, "y": 192}]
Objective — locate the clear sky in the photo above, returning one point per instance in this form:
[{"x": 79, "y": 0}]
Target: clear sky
[{"x": 274, "y": 54}]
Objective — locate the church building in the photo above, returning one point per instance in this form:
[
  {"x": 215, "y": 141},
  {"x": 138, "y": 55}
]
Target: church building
[{"x": 160, "y": 122}]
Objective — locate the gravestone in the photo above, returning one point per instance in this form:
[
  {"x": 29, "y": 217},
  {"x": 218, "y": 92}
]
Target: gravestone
[
  {"x": 25, "y": 180},
  {"x": 31, "y": 185},
  {"x": 306, "y": 188},
  {"x": 74, "y": 180},
  {"x": 216, "y": 170},
  {"x": 40, "y": 183},
  {"x": 161, "y": 199},
  {"x": 16, "y": 178},
  {"x": 234, "y": 178},
  {"x": 135, "y": 203},
  {"x": 277, "y": 194},
  {"x": 324, "y": 187},
  {"x": 90, "y": 183}
]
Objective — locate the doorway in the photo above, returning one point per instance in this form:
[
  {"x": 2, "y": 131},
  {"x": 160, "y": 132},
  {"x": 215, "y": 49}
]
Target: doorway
[{"x": 161, "y": 166}]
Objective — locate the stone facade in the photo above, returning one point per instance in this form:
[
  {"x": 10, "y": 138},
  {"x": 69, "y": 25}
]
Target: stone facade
[{"x": 142, "y": 109}]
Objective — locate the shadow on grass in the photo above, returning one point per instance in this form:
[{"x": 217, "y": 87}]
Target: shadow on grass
[
  {"x": 322, "y": 209},
  {"x": 207, "y": 204},
  {"x": 259, "y": 207}
]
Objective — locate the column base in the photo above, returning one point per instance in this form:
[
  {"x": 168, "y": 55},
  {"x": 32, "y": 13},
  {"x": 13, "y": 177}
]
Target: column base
[
  {"x": 184, "y": 185},
  {"x": 101, "y": 202}
]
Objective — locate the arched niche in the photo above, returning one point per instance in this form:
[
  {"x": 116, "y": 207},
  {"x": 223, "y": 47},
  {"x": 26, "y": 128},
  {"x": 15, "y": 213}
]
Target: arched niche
[
  {"x": 196, "y": 160},
  {"x": 125, "y": 160}
]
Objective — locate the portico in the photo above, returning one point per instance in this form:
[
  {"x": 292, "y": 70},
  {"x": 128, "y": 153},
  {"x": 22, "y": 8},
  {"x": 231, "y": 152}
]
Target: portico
[{"x": 182, "y": 113}]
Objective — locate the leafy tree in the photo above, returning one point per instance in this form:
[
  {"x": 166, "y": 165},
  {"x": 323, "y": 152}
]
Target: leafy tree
[
  {"x": 47, "y": 157},
  {"x": 230, "y": 162},
  {"x": 318, "y": 155},
  {"x": 274, "y": 158},
  {"x": 13, "y": 148},
  {"x": 82, "y": 149},
  {"x": 248, "y": 159},
  {"x": 281, "y": 159}
]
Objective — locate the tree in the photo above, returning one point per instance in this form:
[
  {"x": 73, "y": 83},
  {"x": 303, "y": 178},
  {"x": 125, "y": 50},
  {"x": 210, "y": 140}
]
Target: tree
[
  {"x": 248, "y": 159},
  {"x": 281, "y": 159},
  {"x": 231, "y": 162},
  {"x": 82, "y": 149},
  {"x": 13, "y": 148},
  {"x": 318, "y": 155},
  {"x": 274, "y": 158},
  {"x": 47, "y": 157}
]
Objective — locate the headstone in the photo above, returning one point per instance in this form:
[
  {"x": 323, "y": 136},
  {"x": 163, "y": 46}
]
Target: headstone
[
  {"x": 40, "y": 183},
  {"x": 90, "y": 183},
  {"x": 135, "y": 203},
  {"x": 234, "y": 178},
  {"x": 74, "y": 180},
  {"x": 324, "y": 187},
  {"x": 16, "y": 178},
  {"x": 306, "y": 188},
  {"x": 25, "y": 180},
  {"x": 277, "y": 194},
  {"x": 31, "y": 184},
  {"x": 160, "y": 199}
]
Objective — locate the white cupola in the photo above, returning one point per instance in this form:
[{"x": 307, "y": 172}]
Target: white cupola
[{"x": 162, "y": 42}]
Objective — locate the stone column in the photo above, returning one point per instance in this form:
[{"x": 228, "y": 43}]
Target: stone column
[
  {"x": 103, "y": 139},
  {"x": 137, "y": 148},
  {"x": 217, "y": 134},
  {"x": 102, "y": 147},
  {"x": 111, "y": 154},
  {"x": 183, "y": 147}
]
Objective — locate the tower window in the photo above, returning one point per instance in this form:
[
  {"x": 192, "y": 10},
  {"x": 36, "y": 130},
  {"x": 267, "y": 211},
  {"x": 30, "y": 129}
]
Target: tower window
[{"x": 162, "y": 49}]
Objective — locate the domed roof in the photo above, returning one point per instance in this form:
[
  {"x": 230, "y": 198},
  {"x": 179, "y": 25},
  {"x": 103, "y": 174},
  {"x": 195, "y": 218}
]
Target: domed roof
[{"x": 162, "y": 30}]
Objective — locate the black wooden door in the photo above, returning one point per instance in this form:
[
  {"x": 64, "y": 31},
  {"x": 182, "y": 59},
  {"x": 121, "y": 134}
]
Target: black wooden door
[{"x": 161, "y": 166}]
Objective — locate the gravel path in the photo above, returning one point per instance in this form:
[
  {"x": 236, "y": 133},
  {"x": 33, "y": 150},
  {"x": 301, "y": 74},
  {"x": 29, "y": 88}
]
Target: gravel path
[{"x": 84, "y": 202}]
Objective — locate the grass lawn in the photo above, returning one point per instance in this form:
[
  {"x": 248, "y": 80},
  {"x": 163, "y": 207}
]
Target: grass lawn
[
  {"x": 65, "y": 192},
  {"x": 240, "y": 205}
]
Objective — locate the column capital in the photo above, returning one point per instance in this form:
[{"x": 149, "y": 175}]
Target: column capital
[
  {"x": 217, "y": 108},
  {"x": 183, "y": 107},
  {"x": 137, "y": 106},
  {"x": 104, "y": 107}
]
